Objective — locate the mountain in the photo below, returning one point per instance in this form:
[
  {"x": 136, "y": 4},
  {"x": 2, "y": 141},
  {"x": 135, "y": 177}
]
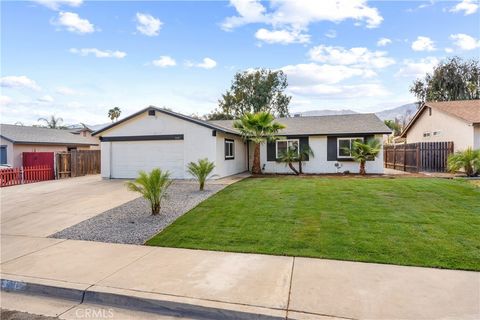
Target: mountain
[{"x": 387, "y": 114}]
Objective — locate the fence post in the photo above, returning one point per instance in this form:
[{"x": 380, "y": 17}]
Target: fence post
[
  {"x": 394, "y": 157},
  {"x": 418, "y": 157}
]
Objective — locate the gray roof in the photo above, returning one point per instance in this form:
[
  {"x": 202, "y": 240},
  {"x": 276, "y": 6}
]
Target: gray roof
[
  {"x": 361, "y": 123},
  {"x": 36, "y": 135}
]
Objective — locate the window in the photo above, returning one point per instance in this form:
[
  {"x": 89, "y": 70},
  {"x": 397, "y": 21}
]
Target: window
[
  {"x": 426, "y": 134},
  {"x": 3, "y": 154},
  {"x": 344, "y": 145},
  {"x": 437, "y": 133},
  {"x": 229, "y": 149},
  {"x": 283, "y": 145}
]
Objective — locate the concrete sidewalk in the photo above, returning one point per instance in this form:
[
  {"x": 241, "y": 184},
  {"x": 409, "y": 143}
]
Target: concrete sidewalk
[{"x": 218, "y": 284}]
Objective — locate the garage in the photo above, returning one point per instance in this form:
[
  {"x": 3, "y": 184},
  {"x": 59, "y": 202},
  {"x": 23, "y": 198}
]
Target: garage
[{"x": 129, "y": 157}]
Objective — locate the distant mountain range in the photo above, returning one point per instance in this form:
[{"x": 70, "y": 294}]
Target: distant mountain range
[{"x": 388, "y": 114}]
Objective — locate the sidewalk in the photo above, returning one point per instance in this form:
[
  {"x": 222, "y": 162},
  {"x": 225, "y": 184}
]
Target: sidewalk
[{"x": 194, "y": 282}]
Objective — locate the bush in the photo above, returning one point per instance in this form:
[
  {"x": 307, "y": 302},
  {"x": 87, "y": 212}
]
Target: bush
[
  {"x": 152, "y": 186},
  {"x": 201, "y": 170},
  {"x": 467, "y": 160}
]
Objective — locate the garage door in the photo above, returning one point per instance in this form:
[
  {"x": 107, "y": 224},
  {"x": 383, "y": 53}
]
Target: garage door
[{"x": 127, "y": 158}]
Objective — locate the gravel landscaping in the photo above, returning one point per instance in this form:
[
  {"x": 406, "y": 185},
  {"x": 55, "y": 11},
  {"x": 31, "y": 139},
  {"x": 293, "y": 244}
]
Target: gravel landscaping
[{"x": 133, "y": 223}]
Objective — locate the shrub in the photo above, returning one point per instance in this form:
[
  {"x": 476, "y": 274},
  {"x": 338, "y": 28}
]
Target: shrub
[
  {"x": 468, "y": 160},
  {"x": 152, "y": 186},
  {"x": 201, "y": 170}
]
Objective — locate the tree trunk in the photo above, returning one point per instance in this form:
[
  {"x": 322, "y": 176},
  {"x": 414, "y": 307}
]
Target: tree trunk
[
  {"x": 202, "y": 184},
  {"x": 256, "y": 160},
  {"x": 362, "y": 168},
  {"x": 290, "y": 164},
  {"x": 155, "y": 208},
  {"x": 300, "y": 167}
]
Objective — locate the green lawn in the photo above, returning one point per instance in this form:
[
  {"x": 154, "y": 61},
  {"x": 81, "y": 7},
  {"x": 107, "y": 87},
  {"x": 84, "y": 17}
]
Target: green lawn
[{"x": 406, "y": 221}]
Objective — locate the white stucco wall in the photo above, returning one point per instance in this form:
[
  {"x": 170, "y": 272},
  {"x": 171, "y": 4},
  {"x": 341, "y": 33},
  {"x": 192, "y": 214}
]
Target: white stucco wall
[
  {"x": 226, "y": 167},
  {"x": 476, "y": 137},
  {"x": 198, "y": 142},
  {"x": 450, "y": 127},
  {"x": 319, "y": 163}
]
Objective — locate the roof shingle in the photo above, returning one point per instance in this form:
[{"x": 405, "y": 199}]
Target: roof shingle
[{"x": 468, "y": 110}]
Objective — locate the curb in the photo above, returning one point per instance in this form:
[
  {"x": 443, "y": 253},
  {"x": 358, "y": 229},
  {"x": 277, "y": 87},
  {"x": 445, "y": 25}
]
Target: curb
[{"x": 145, "y": 302}]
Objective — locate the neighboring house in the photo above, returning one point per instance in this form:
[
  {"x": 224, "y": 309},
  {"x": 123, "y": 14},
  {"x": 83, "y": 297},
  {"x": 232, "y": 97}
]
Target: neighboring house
[
  {"x": 18, "y": 139},
  {"x": 159, "y": 138},
  {"x": 457, "y": 121},
  {"x": 86, "y": 132}
]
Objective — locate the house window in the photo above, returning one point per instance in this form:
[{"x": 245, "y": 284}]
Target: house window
[
  {"x": 437, "y": 133},
  {"x": 344, "y": 145},
  {"x": 426, "y": 134},
  {"x": 283, "y": 145},
  {"x": 3, "y": 154},
  {"x": 229, "y": 149}
]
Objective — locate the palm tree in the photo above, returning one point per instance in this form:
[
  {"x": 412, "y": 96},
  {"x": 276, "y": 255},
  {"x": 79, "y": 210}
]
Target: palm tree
[
  {"x": 114, "y": 113},
  {"x": 304, "y": 154},
  {"x": 289, "y": 157},
  {"x": 468, "y": 160},
  {"x": 361, "y": 152},
  {"x": 258, "y": 128},
  {"x": 201, "y": 170},
  {"x": 53, "y": 122},
  {"x": 152, "y": 186}
]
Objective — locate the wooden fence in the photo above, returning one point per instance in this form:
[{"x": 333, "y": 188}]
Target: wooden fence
[
  {"x": 415, "y": 157},
  {"x": 15, "y": 176},
  {"x": 77, "y": 163}
]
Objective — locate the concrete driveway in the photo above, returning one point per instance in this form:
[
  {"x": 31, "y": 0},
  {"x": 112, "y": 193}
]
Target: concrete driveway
[{"x": 41, "y": 209}]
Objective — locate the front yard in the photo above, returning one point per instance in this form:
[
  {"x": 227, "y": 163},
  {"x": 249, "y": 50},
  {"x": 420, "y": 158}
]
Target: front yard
[{"x": 406, "y": 221}]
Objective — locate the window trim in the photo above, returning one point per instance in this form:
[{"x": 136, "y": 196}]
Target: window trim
[
  {"x": 232, "y": 142},
  {"x": 350, "y": 139},
  {"x": 286, "y": 140}
]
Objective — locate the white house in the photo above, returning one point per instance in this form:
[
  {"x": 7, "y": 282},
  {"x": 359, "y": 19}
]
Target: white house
[
  {"x": 159, "y": 138},
  {"x": 457, "y": 121}
]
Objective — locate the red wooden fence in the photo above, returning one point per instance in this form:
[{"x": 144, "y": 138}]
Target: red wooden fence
[{"x": 14, "y": 176}]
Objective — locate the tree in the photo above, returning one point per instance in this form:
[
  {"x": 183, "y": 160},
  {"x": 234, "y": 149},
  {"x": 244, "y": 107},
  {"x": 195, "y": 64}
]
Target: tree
[
  {"x": 152, "y": 186},
  {"x": 289, "y": 157},
  {"x": 361, "y": 152},
  {"x": 452, "y": 79},
  {"x": 53, "y": 122},
  {"x": 258, "y": 128},
  {"x": 201, "y": 170},
  {"x": 395, "y": 126},
  {"x": 256, "y": 91},
  {"x": 304, "y": 154},
  {"x": 114, "y": 113},
  {"x": 218, "y": 115},
  {"x": 468, "y": 160}
]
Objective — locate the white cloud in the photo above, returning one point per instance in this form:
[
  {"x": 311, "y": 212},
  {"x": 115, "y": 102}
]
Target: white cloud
[
  {"x": 354, "y": 56},
  {"x": 296, "y": 16},
  {"x": 55, "y": 4},
  {"x": 164, "y": 61},
  {"x": 467, "y": 6},
  {"x": 464, "y": 41},
  {"x": 281, "y": 36},
  {"x": 99, "y": 53},
  {"x": 65, "y": 91},
  {"x": 46, "y": 98},
  {"x": 147, "y": 24},
  {"x": 312, "y": 73},
  {"x": 19, "y": 82},
  {"x": 423, "y": 44},
  {"x": 382, "y": 42},
  {"x": 417, "y": 69},
  {"x": 5, "y": 100},
  {"x": 207, "y": 63},
  {"x": 331, "y": 34},
  {"x": 343, "y": 91},
  {"x": 73, "y": 23}
]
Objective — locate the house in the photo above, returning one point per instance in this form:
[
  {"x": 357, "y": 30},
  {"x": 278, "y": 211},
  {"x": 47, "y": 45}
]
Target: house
[
  {"x": 85, "y": 131},
  {"x": 457, "y": 121},
  {"x": 154, "y": 137},
  {"x": 14, "y": 140}
]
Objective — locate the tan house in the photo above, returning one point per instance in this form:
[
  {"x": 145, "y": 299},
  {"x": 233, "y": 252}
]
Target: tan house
[
  {"x": 457, "y": 121},
  {"x": 14, "y": 140}
]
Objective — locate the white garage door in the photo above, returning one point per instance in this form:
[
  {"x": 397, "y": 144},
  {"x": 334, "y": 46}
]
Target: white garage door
[{"x": 127, "y": 158}]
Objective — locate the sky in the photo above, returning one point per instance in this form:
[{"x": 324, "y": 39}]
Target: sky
[{"x": 76, "y": 59}]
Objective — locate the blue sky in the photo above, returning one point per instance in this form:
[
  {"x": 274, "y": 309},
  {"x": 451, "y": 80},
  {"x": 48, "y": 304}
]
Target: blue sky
[{"x": 76, "y": 59}]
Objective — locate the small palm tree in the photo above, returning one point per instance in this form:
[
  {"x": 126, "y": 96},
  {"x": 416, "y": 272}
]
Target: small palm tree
[
  {"x": 258, "y": 128},
  {"x": 468, "y": 160},
  {"x": 305, "y": 153},
  {"x": 289, "y": 157},
  {"x": 201, "y": 170},
  {"x": 114, "y": 113},
  {"x": 152, "y": 186},
  {"x": 52, "y": 122},
  {"x": 361, "y": 152}
]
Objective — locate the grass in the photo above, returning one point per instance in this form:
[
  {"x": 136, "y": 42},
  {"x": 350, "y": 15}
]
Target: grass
[{"x": 405, "y": 221}]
